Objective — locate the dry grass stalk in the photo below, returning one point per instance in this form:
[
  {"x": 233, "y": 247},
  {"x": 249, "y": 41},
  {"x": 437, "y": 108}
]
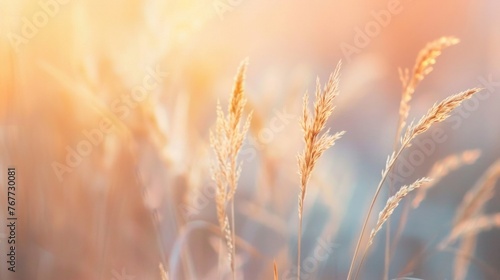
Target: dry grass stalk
[
  {"x": 316, "y": 144},
  {"x": 386, "y": 213},
  {"x": 442, "y": 168},
  {"x": 462, "y": 260},
  {"x": 226, "y": 141},
  {"x": 477, "y": 197},
  {"x": 474, "y": 226},
  {"x": 275, "y": 269},
  {"x": 439, "y": 170},
  {"x": 392, "y": 203},
  {"x": 438, "y": 113},
  {"x": 423, "y": 66}
]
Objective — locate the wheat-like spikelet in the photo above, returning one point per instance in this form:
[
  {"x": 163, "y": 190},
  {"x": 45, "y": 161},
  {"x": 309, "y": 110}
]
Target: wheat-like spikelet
[
  {"x": 423, "y": 66},
  {"x": 438, "y": 113},
  {"x": 392, "y": 203},
  {"x": 226, "y": 141},
  {"x": 275, "y": 270},
  {"x": 473, "y": 226},
  {"x": 163, "y": 273},
  {"x": 220, "y": 172},
  {"x": 315, "y": 144},
  {"x": 476, "y": 198},
  {"x": 383, "y": 216},
  {"x": 442, "y": 168}
]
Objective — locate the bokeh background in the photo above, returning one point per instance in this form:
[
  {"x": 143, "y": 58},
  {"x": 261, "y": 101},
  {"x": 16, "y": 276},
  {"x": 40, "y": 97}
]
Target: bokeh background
[{"x": 142, "y": 193}]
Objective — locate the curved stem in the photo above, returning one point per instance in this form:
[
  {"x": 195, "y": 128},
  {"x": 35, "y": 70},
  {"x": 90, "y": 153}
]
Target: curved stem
[
  {"x": 372, "y": 204},
  {"x": 361, "y": 263}
]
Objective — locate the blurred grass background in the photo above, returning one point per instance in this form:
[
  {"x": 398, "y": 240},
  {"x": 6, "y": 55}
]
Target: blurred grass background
[{"x": 123, "y": 207}]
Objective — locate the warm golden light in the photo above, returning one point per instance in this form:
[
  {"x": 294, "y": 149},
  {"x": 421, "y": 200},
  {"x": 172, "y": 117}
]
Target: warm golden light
[{"x": 148, "y": 139}]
